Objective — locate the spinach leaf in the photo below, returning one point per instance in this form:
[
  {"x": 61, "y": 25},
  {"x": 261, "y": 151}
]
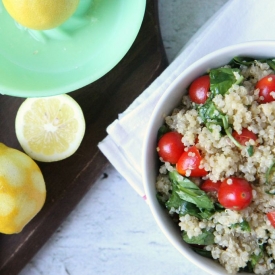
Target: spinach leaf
[
  {"x": 256, "y": 258},
  {"x": 161, "y": 198},
  {"x": 205, "y": 213},
  {"x": 270, "y": 192},
  {"x": 248, "y": 268},
  {"x": 203, "y": 252},
  {"x": 222, "y": 79},
  {"x": 183, "y": 207},
  {"x": 189, "y": 208},
  {"x": 249, "y": 149},
  {"x": 162, "y": 130},
  {"x": 271, "y": 63},
  {"x": 205, "y": 238},
  {"x": 269, "y": 172},
  {"x": 208, "y": 112},
  {"x": 248, "y": 61},
  {"x": 188, "y": 191},
  {"x": 210, "y": 115},
  {"x": 218, "y": 207},
  {"x": 238, "y": 60},
  {"x": 243, "y": 225},
  {"x": 174, "y": 201},
  {"x": 193, "y": 210}
]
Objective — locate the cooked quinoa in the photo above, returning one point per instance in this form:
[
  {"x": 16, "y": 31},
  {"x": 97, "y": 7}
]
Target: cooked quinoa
[{"x": 232, "y": 246}]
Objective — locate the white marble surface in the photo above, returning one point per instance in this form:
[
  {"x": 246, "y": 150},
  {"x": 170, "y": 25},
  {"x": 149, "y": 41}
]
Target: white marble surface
[{"x": 112, "y": 230}]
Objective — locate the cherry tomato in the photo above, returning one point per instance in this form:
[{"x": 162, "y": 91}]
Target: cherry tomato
[
  {"x": 235, "y": 193},
  {"x": 271, "y": 217},
  {"x": 199, "y": 88},
  {"x": 170, "y": 147},
  {"x": 244, "y": 136},
  {"x": 190, "y": 160},
  {"x": 210, "y": 186},
  {"x": 266, "y": 86}
]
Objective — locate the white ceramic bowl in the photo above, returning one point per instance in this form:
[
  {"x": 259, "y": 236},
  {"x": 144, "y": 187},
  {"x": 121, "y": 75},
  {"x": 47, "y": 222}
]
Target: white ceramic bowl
[{"x": 170, "y": 99}]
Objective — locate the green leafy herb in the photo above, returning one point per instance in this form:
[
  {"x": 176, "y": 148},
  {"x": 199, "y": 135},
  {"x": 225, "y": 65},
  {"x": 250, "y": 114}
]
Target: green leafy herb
[
  {"x": 271, "y": 63},
  {"x": 248, "y": 268},
  {"x": 247, "y": 61},
  {"x": 222, "y": 79},
  {"x": 193, "y": 210},
  {"x": 211, "y": 115},
  {"x": 162, "y": 130},
  {"x": 203, "y": 252},
  {"x": 205, "y": 238},
  {"x": 269, "y": 172},
  {"x": 188, "y": 191},
  {"x": 238, "y": 60},
  {"x": 161, "y": 198},
  {"x": 174, "y": 201},
  {"x": 218, "y": 207},
  {"x": 250, "y": 150},
  {"x": 256, "y": 258},
  {"x": 243, "y": 225}
]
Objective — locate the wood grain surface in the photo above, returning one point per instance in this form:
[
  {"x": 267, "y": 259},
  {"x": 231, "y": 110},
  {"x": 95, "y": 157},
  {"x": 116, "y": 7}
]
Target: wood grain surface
[{"x": 68, "y": 181}]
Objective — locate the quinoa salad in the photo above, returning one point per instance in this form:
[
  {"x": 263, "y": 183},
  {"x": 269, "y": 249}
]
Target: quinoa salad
[{"x": 217, "y": 165}]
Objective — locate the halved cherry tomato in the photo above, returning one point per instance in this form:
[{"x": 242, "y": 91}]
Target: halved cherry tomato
[
  {"x": 190, "y": 160},
  {"x": 170, "y": 147},
  {"x": 266, "y": 86},
  {"x": 244, "y": 136},
  {"x": 271, "y": 217},
  {"x": 235, "y": 193},
  {"x": 199, "y": 88},
  {"x": 210, "y": 186}
]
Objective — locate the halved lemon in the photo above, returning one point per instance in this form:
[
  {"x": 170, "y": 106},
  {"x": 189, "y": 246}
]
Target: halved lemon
[
  {"x": 50, "y": 128},
  {"x": 41, "y": 14}
]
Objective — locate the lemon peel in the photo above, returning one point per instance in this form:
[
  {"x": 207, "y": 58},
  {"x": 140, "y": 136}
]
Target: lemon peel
[
  {"x": 20, "y": 201},
  {"x": 40, "y": 14}
]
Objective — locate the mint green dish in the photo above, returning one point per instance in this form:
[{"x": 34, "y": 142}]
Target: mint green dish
[{"x": 77, "y": 53}]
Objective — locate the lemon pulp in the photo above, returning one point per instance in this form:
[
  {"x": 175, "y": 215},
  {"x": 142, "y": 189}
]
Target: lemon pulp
[
  {"x": 50, "y": 128},
  {"x": 41, "y": 14}
]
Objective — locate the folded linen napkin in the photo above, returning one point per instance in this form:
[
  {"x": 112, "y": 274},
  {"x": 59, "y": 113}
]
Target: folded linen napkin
[{"x": 236, "y": 22}]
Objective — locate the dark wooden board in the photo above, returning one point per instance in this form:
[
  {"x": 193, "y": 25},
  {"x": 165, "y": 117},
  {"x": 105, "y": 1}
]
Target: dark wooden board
[{"x": 69, "y": 180}]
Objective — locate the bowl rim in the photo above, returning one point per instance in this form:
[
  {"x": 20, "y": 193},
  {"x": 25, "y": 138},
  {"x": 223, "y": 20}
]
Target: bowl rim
[{"x": 252, "y": 49}]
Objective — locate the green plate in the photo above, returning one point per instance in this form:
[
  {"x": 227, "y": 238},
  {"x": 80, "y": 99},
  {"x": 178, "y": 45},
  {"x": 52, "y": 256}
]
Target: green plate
[{"x": 61, "y": 60}]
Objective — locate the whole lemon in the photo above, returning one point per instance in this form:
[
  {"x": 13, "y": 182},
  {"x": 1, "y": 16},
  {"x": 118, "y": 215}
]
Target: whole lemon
[
  {"x": 22, "y": 190},
  {"x": 40, "y": 14}
]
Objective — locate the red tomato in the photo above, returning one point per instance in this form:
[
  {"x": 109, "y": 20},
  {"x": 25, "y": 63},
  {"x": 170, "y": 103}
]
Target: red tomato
[
  {"x": 244, "y": 136},
  {"x": 199, "y": 88},
  {"x": 271, "y": 217},
  {"x": 266, "y": 86},
  {"x": 210, "y": 186},
  {"x": 190, "y": 160},
  {"x": 170, "y": 147},
  {"x": 235, "y": 193}
]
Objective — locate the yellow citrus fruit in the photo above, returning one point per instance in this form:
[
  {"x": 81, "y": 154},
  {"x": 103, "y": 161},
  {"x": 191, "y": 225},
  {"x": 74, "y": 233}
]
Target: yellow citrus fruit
[
  {"x": 50, "y": 128},
  {"x": 22, "y": 190},
  {"x": 40, "y": 14}
]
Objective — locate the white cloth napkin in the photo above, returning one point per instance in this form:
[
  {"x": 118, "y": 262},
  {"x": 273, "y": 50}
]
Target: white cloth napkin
[{"x": 237, "y": 21}]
